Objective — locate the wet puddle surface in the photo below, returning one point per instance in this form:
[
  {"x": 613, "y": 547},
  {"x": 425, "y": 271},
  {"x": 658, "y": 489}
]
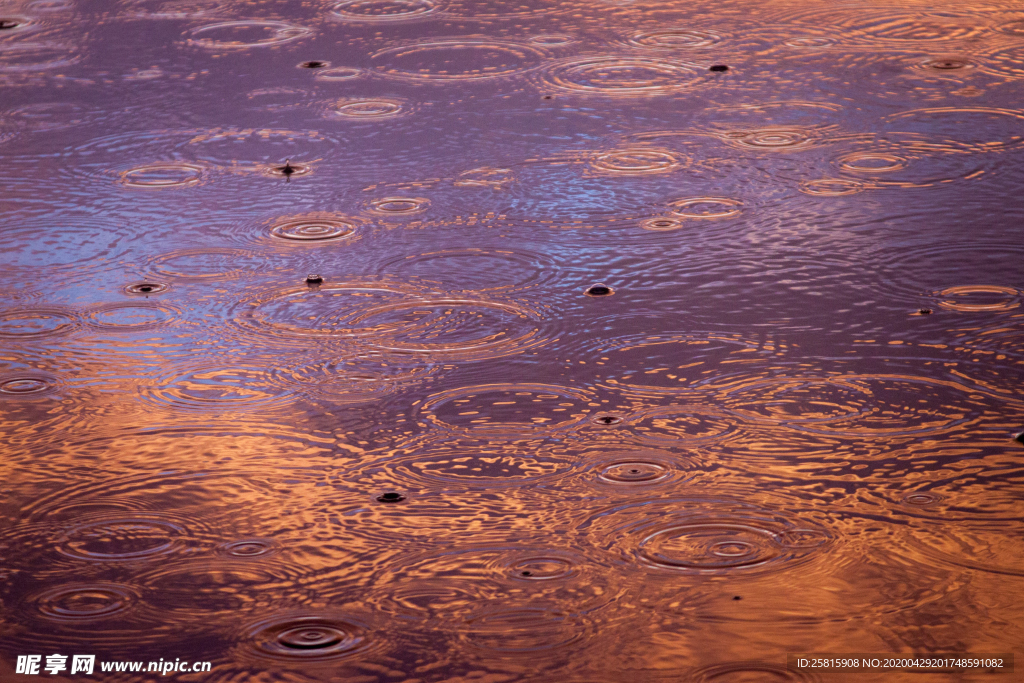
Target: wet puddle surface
[{"x": 436, "y": 340}]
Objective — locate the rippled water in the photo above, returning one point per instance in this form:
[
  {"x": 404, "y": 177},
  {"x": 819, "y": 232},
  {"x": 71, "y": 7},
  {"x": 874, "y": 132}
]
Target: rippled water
[{"x": 436, "y": 340}]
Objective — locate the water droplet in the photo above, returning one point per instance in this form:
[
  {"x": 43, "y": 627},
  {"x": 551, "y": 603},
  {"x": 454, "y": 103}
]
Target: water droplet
[
  {"x": 634, "y": 472},
  {"x": 147, "y": 288},
  {"x": 921, "y": 499}
]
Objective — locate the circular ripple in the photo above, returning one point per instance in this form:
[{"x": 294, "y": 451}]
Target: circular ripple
[
  {"x": 485, "y": 176},
  {"x": 634, "y": 473},
  {"x": 338, "y": 73},
  {"x": 457, "y": 60},
  {"x": 709, "y": 546},
  {"x": 399, "y": 206},
  {"x": 122, "y": 539},
  {"x": 29, "y": 57},
  {"x": 636, "y": 162},
  {"x": 552, "y": 40},
  {"x": 250, "y": 547},
  {"x": 974, "y": 298},
  {"x": 85, "y": 602},
  {"x": 147, "y": 288},
  {"x": 523, "y": 630},
  {"x": 313, "y": 228},
  {"x": 858, "y": 406},
  {"x": 810, "y": 42},
  {"x": 219, "y": 588},
  {"x": 762, "y": 672},
  {"x": 680, "y": 425},
  {"x": 1012, "y": 28},
  {"x": 131, "y": 316},
  {"x": 946, "y": 64},
  {"x": 896, "y": 27},
  {"x": 474, "y": 464},
  {"x": 522, "y": 409},
  {"x": 246, "y": 34},
  {"x": 384, "y": 10},
  {"x": 162, "y": 176},
  {"x": 671, "y": 362},
  {"x": 771, "y": 139},
  {"x": 796, "y": 400},
  {"x": 305, "y": 638},
  {"x": 921, "y": 499},
  {"x": 34, "y": 323},
  {"x": 217, "y": 388},
  {"x": 704, "y": 536},
  {"x": 662, "y": 224},
  {"x": 328, "y": 310},
  {"x": 959, "y": 130},
  {"x": 25, "y": 384},
  {"x": 369, "y": 109},
  {"x": 478, "y": 270},
  {"x": 989, "y": 548},
  {"x": 447, "y": 327},
  {"x": 542, "y": 568},
  {"x": 619, "y": 76},
  {"x": 706, "y": 207},
  {"x": 49, "y": 115},
  {"x": 202, "y": 264},
  {"x": 871, "y": 162},
  {"x": 673, "y": 39},
  {"x": 832, "y": 187}
]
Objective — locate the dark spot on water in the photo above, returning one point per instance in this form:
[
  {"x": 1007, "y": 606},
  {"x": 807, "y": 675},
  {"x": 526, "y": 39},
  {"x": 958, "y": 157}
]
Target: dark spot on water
[
  {"x": 925, "y": 311},
  {"x": 607, "y": 419},
  {"x": 391, "y": 497},
  {"x": 527, "y": 573},
  {"x": 736, "y": 597},
  {"x": 287, "y": 169},
  {"x": 947, "y": 64},
  {"x": 313, "y": 64},
  {"x": 718, "y": 68},
  {"x": 8, "y": 24},
  {"x": 1019, "y": 438},
  {"x": 599, "y": 290},
  {"x": 314, "y": 279},
  {"x": 547, "y": 97},
  {"x": 146, "y": 288}
]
